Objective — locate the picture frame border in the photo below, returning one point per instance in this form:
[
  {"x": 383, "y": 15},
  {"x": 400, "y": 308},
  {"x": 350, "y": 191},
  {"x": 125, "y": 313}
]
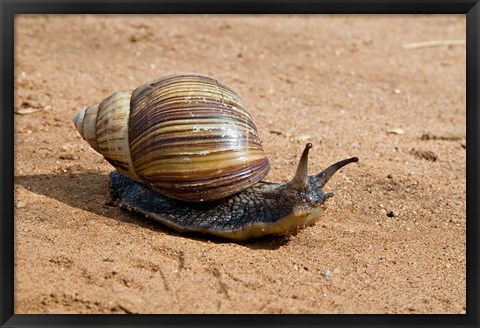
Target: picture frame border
[{"x": 9, "y": 9}]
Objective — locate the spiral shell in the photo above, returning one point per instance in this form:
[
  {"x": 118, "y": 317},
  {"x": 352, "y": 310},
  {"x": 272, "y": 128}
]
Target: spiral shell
[{"x": 187, "y": 136}]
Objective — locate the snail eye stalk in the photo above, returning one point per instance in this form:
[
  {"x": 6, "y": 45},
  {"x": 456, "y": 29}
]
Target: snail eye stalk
[
  {"x": 300, "y": 181},
  {"x": 323, "y": 177}
]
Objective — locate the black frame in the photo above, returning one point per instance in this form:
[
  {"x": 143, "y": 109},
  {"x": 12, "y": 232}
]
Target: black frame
[{"x": 9, "y": 8}]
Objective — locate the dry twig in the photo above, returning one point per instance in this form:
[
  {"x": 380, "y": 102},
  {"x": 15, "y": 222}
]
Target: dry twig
[{"x": 434, "y": 43}]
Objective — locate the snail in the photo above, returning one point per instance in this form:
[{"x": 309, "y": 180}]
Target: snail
[{"x": 187, "y": 153}]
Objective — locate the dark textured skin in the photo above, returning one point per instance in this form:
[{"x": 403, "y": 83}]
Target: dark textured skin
[
  {"x": 265, "y": 208},
  {"x": 262, "y": 203}
]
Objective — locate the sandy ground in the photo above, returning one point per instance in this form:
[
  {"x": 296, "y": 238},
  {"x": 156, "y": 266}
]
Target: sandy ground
[{"x": 392, "y": 239}]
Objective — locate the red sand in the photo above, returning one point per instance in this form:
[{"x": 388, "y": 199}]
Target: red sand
[{"x": 343, "y": 83}]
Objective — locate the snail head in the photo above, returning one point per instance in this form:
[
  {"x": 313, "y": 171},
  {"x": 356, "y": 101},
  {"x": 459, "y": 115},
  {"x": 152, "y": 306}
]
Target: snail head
[{"x": 310, "y": 187}]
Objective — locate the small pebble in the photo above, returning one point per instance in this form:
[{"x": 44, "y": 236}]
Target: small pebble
[
  {"x": 327, "y": 273},
  {"x": 21, "y": 204},
  {"x": 397, "y": 91},
  {"x": 27, "y": 110},
  {"x": 336, "y": 270},
  {"x": 392, "y": 214},
  {"x": 396, "y": 131}
]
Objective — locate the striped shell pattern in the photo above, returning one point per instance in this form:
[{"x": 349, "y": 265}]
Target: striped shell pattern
[{"x": 187, "y": 136}]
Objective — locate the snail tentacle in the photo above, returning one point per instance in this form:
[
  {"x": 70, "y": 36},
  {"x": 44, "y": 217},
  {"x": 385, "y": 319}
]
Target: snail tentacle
[
  {"x": 323, "y": 177},
  {"x": 300, "y": 181}
]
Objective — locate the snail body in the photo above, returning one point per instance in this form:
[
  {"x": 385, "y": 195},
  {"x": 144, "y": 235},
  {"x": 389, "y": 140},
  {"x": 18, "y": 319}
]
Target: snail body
[{"x": 187, "y": 154}]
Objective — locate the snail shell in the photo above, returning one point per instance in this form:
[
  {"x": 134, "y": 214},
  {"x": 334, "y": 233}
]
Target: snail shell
[{"x": 186, "y": 136}]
